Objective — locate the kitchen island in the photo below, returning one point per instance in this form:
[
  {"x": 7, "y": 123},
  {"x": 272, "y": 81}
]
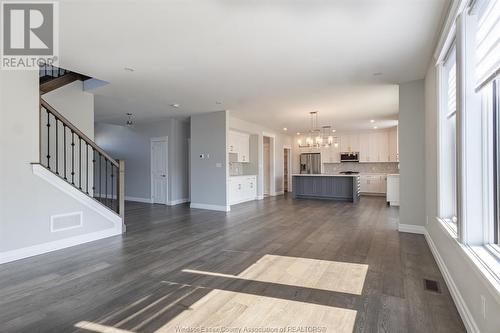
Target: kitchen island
[{"x": 336, "y": 187}]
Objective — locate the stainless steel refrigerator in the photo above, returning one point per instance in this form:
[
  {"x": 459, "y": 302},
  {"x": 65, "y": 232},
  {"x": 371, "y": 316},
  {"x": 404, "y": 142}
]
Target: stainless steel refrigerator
[{"x": 310, "y": 163}]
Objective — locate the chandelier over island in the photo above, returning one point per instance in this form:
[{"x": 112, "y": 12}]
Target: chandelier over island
[{"x": 317, "y": 136}]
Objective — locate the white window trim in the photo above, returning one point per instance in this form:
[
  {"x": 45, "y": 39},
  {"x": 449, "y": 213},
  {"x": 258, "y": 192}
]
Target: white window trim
[{"x": 443, "y": 116}]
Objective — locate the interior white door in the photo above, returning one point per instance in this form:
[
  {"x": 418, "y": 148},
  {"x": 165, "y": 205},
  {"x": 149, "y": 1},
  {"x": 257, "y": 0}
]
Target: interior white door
[{"x": 159, "y": 170}]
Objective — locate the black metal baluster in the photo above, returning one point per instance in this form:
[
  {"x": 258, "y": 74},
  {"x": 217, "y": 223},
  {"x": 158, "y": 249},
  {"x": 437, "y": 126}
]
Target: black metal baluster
[
  {"x": 100, "y": 181},
  {"x": 87, "y": 168},
  {"x": 72, "y": 157},
  {"x": 64, "y": 151},
  {"x": 112, "y": 187},
  {"x": 57, "y": 147},
  {"x": 80, "y": 167},
  {"x": 106, "y": 178},
  {"x": 48, "y": 140},
  {"x": 94, "y": 172}
]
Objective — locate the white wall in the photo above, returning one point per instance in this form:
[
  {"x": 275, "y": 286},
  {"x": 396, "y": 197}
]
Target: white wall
[
  {"x": 209, "y": 182},
  {"x": 27, "y": 201},
  {"x": 280, "y": 140},
  {"x": 75, "y": 104},
  {"x": 133, "y": 146},
  {"x": 467, "y": 280},
  {"x": 412, "y": 153}
]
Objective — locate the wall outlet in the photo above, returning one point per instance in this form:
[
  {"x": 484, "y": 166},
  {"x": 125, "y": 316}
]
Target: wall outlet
[
  {"x": 483, "y": 306},
  {"x": 427, "y": 220},
  {"x": 218, "y": 165}
]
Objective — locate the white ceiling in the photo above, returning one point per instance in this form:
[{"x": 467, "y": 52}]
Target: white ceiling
[{"x": 267, "y": 61}]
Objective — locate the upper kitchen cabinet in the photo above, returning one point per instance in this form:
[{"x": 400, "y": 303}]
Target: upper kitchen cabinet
[
  {"x": 374, "y": 147},
  {"x": 349, "y": 143},
  {"x": 393, "y": 145},
  {"x": 331, "y": 154},
  {"x": 239, "y": 147}
]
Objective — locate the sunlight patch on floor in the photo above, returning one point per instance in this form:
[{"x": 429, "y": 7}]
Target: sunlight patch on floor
[
  {"x": 99, "y": 328},
  {"x": 235, "y": 311},
  {"x": 302, "y": 272}
]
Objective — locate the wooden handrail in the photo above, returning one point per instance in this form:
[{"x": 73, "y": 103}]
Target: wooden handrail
[{"x": 85, "y": 138}]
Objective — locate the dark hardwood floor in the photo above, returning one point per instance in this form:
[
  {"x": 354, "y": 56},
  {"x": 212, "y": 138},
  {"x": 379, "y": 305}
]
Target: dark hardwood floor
[{"x": 143, "y": 280}]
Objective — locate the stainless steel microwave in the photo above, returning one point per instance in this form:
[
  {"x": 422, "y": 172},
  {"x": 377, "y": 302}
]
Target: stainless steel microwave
[{"x": 349, "y": 157}]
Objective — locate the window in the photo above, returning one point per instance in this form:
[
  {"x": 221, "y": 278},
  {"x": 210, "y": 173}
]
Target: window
[
  {"x": 486, "y": 72},
  {"x": 448, "y": 157}
]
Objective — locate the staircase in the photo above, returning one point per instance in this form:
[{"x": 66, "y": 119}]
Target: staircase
[
  {"x": 69, "y": 154},
  {"x": 52, "y": 77}
]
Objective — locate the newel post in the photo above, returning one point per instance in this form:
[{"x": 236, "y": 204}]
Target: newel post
[{"x": 121, "y": 193}]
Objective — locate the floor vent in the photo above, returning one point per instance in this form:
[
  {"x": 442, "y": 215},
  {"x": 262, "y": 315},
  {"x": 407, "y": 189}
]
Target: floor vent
[{"x": 432, "y": 285}]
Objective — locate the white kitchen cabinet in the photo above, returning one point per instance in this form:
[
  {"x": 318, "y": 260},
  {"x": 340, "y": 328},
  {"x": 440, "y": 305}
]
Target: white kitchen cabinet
[
  {"x": 393, "y": 145},
  {"x": 382, "y": 142},
  {"x": 330, "y": 154},
  {"x": 374, "y": 147},
  {"x": 393, "y": 189},
  {"x": 373, "y": 184},
  {"x": 349, "y": 143},
  {"x": 364, "y": 148},
  {"x": 242, "y": 189},
  {"x": 239, "y": 147}
]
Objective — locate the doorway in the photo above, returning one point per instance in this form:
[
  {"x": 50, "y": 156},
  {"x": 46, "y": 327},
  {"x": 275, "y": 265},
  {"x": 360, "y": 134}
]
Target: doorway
[
  {"x": 159, "y": 170},
  {"x": 287, "y": 163},
  {"x": 268, "y": 165}
]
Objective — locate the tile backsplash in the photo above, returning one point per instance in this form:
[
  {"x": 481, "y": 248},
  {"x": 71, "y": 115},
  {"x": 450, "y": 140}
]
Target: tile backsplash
[
  {"x": 361, "y": 167},
  {"x": 235, "y": 169}
]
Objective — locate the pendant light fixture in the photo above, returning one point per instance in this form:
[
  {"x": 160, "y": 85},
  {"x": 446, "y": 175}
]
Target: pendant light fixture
[{"x": 318, "y": 136}]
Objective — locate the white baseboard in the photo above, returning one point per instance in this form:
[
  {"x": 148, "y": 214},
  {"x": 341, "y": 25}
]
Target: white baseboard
[
  {"x": 138, "y": 199},
  {"x": 411, "y": 228},
  {"x": 465, "y": 314},
  {"x": 57, "y": 245},
  {"x": 279, "y": 193},
  {"x": 178, "y": 202},
  {"x": 226, "y": 208},
  {"x": 242, "y": 201},
  {"x": 260, "y": 197}
]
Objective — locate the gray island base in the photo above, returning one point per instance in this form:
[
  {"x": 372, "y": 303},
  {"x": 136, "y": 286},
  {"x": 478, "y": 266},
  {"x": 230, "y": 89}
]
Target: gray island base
[{"x": 326, "y": 187}]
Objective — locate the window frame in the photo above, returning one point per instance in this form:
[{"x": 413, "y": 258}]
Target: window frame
[
  {"x": 443, "y": 116},
  {"x": 495, "y": 238}
]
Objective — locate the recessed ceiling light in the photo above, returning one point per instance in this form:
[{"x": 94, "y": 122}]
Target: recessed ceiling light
[
  {"x": 285, "y": 129},
  {"x": 128, "y": 69},
  {"x": 334, "y": 130},
  {"x": 174, "y": 105},
  {"x": 377, "y": 74},
  {"x": 298, "y": 133},
  {"x": 375, "y": 127},
  {"x": 372, "y": 121}
]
